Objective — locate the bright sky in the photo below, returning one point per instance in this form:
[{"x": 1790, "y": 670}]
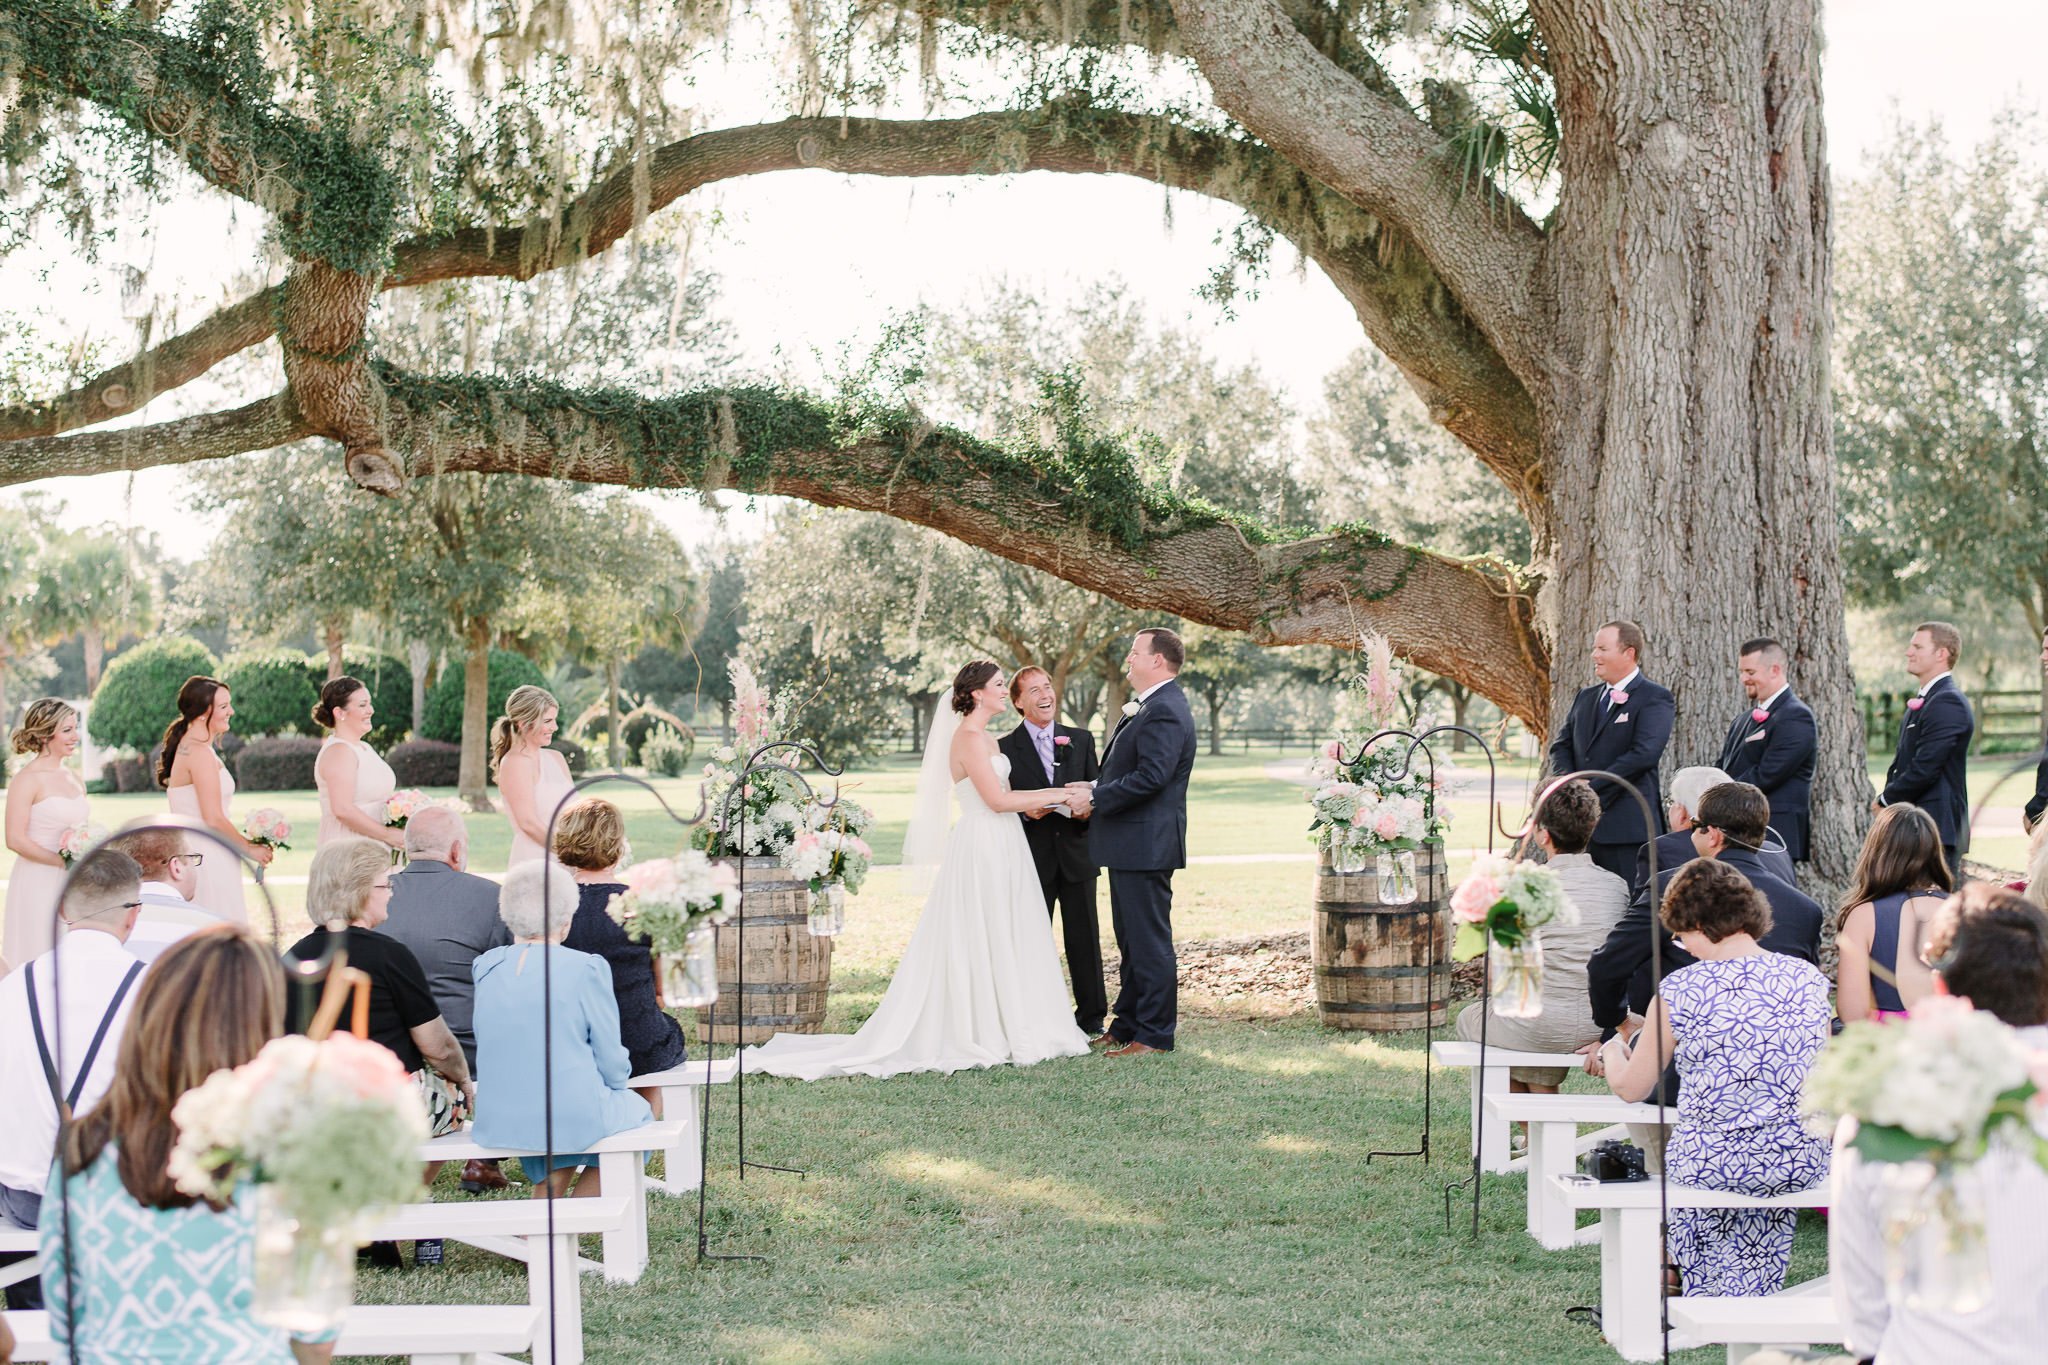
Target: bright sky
[{"x": 810, "y": 261}]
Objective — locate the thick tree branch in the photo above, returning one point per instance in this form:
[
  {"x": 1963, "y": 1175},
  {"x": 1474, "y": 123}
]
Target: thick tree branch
[
  {"x": 1374, "y": 151},
  {"x": 267, "y": 422}
]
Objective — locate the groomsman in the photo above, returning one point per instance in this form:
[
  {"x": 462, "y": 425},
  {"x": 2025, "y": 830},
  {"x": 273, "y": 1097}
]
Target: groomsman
[
  {"x": 1059, "y": 843},
  {"x": 1934, "y": 741},
  {"x": 2039, "y": 805},
  {"x": 1620, "y": 724},
  {"x": 1772, "y": 745}
]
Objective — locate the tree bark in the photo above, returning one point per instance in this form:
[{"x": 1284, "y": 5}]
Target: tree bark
[
  {"x": 332, "y": 639},
  {"x": 95, "y": 642},
  {"x": 472, "y": 776},
  {"x": 419, "y": 656},
  {"x": 612, "y": 669}
]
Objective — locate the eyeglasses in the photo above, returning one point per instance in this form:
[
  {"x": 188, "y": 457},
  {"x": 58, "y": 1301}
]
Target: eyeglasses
[
  {"x": 385, "y": 887},
  {"x": 131, "y": 905},
  {"x": 188, "y": 859}
]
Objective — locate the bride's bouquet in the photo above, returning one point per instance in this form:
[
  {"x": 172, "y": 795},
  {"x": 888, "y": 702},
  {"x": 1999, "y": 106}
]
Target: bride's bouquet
[{"x": 78, "y": 840}]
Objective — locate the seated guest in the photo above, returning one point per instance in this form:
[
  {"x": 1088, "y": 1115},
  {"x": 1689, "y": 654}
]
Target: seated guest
[
  {"x": 347, "y": 892},
  {"x": 1564, "y": 825},
  {"x": 66, "y": 1011},
  {"x": 447, "y": 916},
  {"x": 590, "y": 837},
  {"x": 1728, "y": 828},
  {"x": 170, "y": 879},
  {"x": 590, "y": 1064},
  {"x": 1992, "y": 947},
  {"x": 159, "y": 1275},
  {"x": 1901, "y": 880},
  {"x": 1743, "y": 1025},
  {"x": 1675, "y": 849}
]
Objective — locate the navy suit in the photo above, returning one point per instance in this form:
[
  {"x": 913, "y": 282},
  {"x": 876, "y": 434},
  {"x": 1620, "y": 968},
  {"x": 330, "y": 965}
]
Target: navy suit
[
  {"x": 1618, "y": 974},
  {"x": 1776, "y": 756},
  {"x": 2039, "y": 804},
  {"x": 1059, "y": 849},
  {"x": 1140, "y": 833},
  {"x": 1627, "y": 740},
  {"x": 1928, "y": 770}
]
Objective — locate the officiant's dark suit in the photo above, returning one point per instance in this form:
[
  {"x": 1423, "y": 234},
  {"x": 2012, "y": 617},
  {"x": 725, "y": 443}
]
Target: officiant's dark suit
[
  {"x": 1627, "y": 739},
  {"x": 1929, "y": 771},
  {"x": 1059, "y": 848},
  {"x": 1140, "y": 833},
  {"x": 1776, "y": 756}
]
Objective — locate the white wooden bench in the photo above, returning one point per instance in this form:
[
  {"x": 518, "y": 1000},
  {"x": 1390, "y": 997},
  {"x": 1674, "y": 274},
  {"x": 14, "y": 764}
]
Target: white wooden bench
[
  {"x": 16, "y": 1238},
  {"x": 1793, "y": 1319},
  {"x": 448, "y": 1334},
  {"x": 1554, "y": 1147},
  {"x": 1631, "y": 1264},
  {"x": 621, "y": 1164},
  {"x": 1492, "y": 1138},
  {"x": 682, "y": 1162}
]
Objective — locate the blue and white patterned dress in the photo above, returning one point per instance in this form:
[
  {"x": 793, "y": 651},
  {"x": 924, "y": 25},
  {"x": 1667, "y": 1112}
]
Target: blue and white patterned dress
[
  {"x": 1747, "y": 1030},
  {"x": 158, "y": 1286}
]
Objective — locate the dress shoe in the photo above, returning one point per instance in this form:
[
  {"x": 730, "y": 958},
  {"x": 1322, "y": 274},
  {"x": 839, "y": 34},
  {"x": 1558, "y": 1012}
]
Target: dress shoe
[
  {"x": 1105, "y": 1040},
  {"x": 479, "y": 1175},
  {"x": 1132, "y": 1049},
  {"x": 382, "y": 1255}
]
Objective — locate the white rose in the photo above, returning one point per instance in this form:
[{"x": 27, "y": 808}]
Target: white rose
[{"x": 1130, "y": 708}]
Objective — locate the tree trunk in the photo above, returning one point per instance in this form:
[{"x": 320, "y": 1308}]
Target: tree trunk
[
  {"x": 1461, "y": 706},
  {"x": 333, "y": 637},
  {"x": 725, "y": 718},
  {"x": 420, "y": 657},
  {"x": 476, "y": 719},
  {"x": 612, "y": 669},
  {"x": 95, "y": 641},
  {"x": 1686, "y": 409},
  {"x": 1215, "y": 699}
]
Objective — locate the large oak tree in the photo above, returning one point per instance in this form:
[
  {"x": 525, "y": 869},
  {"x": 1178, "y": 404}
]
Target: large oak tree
[{"x": 1644, "y": 366}]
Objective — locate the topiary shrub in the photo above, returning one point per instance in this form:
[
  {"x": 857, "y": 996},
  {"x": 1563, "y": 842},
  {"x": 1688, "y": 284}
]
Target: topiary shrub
[
  {"x": 665, "y": 752},
  {"x": 138, "y": 693},
  {"x": 573, "y": 754},
  {"x": 272, "y": 694},
  {"x": 636, "y": 725},
  {"x": 390, "y": 682},
  {"x": 277, "y": 763},
  {"x": 444, "y": 703},
  {"x": 129, "y": 775},
  {"x": 426, "y": 763}
]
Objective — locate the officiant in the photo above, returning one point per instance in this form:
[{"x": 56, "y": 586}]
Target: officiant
[{"x": 1059, "y": 842}]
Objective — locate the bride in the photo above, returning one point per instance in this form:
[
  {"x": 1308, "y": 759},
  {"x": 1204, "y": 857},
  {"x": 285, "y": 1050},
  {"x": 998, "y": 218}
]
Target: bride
[{"x": 980, "y": 983}]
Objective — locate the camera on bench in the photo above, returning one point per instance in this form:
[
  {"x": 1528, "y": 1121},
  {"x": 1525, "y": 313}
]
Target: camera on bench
[{"x": 1613, "y": 1161}]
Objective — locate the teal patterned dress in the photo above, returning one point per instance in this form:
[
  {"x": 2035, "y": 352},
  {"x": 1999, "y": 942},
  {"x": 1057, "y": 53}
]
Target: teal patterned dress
[{"x": 157, "y": 1286}]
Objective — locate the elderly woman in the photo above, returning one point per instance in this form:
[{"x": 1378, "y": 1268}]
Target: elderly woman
[
  {"x": 516, "y": 987},
  {"x": 349, "y": 892},
  {"x": 158, "y": 1275},
  {"x": 1744, "y": 1026},
  {"x": 590, "y": 839}
]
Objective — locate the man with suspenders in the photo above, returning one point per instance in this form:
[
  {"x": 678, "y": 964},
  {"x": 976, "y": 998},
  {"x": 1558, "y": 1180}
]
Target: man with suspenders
[{"x": 48, "y": 1057}]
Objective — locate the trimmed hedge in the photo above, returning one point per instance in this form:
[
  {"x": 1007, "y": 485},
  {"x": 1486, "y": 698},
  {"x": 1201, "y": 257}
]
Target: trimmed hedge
[
  {"x": 127, "y": 775},
  {"x": 272, "y": 694},
  {"x": 426, "y": 763},
  {"x": 138, "y": 694},
  {"x": 277, "y": 763},
  {"x": 389, "y": 679},
  {"x": 444, "y": 703}
]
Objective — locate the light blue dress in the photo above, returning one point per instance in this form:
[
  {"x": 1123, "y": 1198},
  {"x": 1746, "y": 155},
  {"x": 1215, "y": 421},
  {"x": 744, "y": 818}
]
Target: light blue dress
[
  {"x": 1747, "y": 1031},
  {"x": 157, "y": 1286},
  {"x": 590, "y": 1064}
]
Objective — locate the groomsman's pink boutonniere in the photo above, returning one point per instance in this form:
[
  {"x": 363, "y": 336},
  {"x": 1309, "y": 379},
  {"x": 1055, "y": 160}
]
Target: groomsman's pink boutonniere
[
  {"x": 1759, "y": 715},
  {"x": 1915, "y": 703},
  {"x": 1062, "y": 741},
  {"x": 1618, "y": 697}
]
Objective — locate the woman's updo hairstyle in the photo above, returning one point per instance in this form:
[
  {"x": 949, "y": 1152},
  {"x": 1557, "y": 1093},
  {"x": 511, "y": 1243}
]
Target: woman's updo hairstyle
[
  {"x": 195, "y": 699},
  {"x": 970, "y": 680},
  {"x": 523, "y": 708},
  {"x": 39, "y": 724},
  {"x": 333, "y": 697}
]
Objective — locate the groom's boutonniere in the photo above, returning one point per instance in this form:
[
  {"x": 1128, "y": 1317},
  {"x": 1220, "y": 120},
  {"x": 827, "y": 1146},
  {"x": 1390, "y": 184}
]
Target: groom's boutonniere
[{"x": 1132, "y": 708}]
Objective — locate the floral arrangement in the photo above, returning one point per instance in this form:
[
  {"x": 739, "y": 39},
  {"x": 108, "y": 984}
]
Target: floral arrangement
[
  {"x": 78, "y": 840},
  {"x": 333, "y": 1125},
  {"x": 1373, "y": 803},
  {"x": 1938, "y": 1086},
  {"x": 824, "y": 856},
  {"x": 1509, "y": 900},
  {"x": 667, "y": 898},
  {"x": 1363, "y": 815},
  {"x": 771, "y": 806},
  {"x": 401, "y": 806},
  {"x": 268, "y": 827}
]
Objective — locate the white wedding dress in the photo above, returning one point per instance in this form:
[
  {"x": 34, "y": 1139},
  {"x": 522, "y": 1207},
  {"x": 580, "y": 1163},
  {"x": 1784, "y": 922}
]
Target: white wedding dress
[{"x": 980, "y": 984}]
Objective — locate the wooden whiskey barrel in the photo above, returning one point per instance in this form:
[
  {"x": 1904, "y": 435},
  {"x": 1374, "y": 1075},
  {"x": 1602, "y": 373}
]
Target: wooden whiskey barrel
[
  {"x": 1373, "y": 960},
  {"x": 788, "y": 971}
]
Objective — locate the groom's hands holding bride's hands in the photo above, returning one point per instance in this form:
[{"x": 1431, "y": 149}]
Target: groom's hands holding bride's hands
[{"x": 1080, "y": 798}]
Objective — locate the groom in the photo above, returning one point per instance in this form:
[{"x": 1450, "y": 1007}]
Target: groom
[{"x": 1140, "y": 833}]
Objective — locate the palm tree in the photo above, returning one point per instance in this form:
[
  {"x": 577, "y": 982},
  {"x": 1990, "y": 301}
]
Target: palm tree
[{"x": 89, "y": 586}]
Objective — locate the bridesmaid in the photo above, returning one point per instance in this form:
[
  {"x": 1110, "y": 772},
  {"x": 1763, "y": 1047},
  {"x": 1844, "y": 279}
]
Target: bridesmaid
[
  {"x": 200, "y": 786},
  {"x": 43, "y": 801},
  {"x": 354, "y": 780},
  {"x": 533, "y": 777}
]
